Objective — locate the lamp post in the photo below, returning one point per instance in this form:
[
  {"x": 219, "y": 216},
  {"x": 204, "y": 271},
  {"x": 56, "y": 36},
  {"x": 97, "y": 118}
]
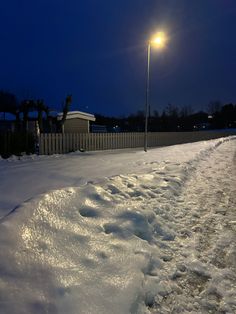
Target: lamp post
[
  {"x": 159, "y": 41},
  {"x": 147, "y": 97}
]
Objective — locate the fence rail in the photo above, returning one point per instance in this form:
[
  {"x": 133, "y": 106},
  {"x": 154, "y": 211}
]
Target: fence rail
[{"x": 64, "y": 143}]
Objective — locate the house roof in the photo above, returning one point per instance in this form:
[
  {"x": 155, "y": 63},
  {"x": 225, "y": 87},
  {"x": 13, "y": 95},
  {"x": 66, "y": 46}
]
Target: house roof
[{"x": 77, "y": 115}]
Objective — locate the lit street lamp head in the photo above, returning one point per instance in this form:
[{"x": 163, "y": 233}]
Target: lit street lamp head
[{"x": 158, "y": 40}]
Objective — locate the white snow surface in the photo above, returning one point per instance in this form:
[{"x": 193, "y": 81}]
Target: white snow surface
[{"x": 120, "y": 231}]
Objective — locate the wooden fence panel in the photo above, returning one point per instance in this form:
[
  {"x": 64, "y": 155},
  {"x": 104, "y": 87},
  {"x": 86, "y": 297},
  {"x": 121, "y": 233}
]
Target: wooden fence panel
[
  {"x": 46, "y": 144},
  {"x": 76, "y": 141},
  {"x": 101, "y": 139},
  {"x": 64, "y": 143},
  {"x": 110, "y": 140},
  {"x": 41, "y": 145},
  {"x": 80, "y": 143}
]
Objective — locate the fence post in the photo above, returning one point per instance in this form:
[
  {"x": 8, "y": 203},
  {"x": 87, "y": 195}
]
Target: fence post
[{"x": 41, "y": 144}]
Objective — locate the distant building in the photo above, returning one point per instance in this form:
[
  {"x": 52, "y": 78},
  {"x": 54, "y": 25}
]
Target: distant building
[{"x": 77, "y": 121}]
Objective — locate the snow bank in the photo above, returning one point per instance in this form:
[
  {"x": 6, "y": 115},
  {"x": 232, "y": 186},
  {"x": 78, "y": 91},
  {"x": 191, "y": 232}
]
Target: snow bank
[
  {"x": 28, "y": 176},
  {"x": 130, "y": 243}
]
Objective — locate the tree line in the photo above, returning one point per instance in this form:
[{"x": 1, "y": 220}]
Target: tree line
[
  {"x": 172, "y": 118},
  {"x": 21, "y": 110},
  {"x": 217, "y": 116}
]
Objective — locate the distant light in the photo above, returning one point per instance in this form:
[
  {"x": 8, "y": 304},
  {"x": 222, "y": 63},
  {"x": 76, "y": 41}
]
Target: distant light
[
  {"x": 159, "y": 40},
  {"x": 210, "y": 117}
]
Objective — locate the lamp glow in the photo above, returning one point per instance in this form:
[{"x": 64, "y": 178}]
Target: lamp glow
[{"x": 159, "y": 40}]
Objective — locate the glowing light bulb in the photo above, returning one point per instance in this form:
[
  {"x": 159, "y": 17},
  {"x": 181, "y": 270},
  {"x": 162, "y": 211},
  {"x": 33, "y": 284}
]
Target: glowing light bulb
[{"x": 159, "y": 40}]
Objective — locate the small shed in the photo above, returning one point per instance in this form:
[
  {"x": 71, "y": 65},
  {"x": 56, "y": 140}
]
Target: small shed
[{"x": 77, "y": 121}]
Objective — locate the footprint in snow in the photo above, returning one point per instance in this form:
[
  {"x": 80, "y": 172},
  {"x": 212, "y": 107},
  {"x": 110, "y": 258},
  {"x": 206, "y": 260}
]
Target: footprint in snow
[{"x": 89, "y": 212}]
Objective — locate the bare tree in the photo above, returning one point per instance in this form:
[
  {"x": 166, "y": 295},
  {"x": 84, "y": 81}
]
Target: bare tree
[
  {"x": 65, "y": 110},
  {"x": 186, "y": 111},
  {"x": 41, "y": 107},
  {"x": 25, "y": 107},
  {"x": 9, "y": 104},
  {"x": 214, "y": 106}
]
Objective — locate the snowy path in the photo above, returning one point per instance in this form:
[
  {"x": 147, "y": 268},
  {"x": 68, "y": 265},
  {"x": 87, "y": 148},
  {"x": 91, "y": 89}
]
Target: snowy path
[
  {"x": 160, "y": 240},
  {"x": 202, "y": 271}
]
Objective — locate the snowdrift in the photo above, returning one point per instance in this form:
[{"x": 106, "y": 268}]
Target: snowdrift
[{"x": 124, "y": 245}]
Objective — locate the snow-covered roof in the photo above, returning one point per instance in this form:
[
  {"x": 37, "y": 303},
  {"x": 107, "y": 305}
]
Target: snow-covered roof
[{"x": 77, "y": 115}]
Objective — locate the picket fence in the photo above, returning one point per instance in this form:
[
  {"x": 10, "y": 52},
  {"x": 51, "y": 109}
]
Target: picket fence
[{"x": 65, "y": 143}]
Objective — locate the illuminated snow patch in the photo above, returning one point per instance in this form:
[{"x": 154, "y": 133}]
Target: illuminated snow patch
[{"x": 158, "y": 241}]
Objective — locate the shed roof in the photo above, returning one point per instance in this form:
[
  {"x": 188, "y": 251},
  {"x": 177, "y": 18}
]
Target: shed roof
[{"x": 77, "y": 115}]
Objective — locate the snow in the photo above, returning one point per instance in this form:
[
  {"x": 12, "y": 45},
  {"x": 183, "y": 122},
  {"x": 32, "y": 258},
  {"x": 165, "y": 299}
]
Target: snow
[{"x": 120, "y": 231}]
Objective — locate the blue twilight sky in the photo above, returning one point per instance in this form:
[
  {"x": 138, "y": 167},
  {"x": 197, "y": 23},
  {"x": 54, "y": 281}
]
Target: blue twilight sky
[{"x": 96, "y": 50}]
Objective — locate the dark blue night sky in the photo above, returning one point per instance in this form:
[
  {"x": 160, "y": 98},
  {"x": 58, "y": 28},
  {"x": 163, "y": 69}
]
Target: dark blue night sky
[{"x": 96, "y": 50}]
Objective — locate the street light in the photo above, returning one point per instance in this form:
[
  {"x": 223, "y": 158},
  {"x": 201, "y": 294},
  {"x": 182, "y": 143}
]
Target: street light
[{"x": 158, "y": 41}]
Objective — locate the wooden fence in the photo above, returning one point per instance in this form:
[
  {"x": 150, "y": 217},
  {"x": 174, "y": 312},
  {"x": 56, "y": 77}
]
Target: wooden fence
[
  {"x": 64, "y": 143},
  {"x": 15, "y": 143}
]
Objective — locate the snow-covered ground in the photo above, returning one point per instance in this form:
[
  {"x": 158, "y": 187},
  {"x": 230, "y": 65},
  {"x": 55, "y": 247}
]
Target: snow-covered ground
[{"x": 120, "y": 232}]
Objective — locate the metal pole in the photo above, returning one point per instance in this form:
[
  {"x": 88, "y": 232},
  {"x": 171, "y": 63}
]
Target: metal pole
[{"x": 147, "y": 98}]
